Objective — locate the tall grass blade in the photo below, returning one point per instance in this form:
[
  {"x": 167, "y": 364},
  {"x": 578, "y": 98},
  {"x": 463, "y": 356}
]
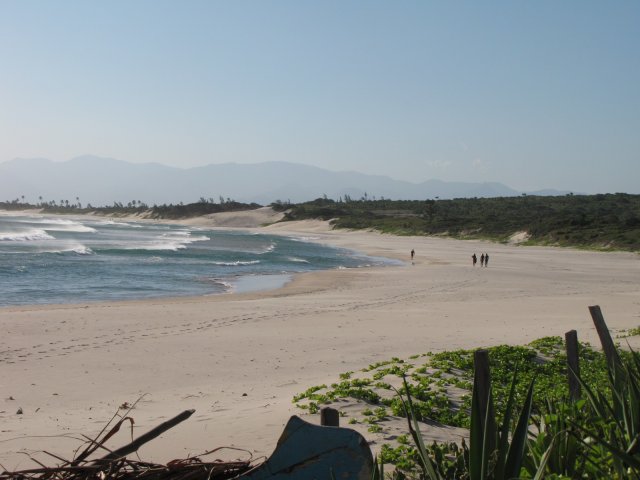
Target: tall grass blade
[
  {"x": 540, "y": 472},
  {"x": 503, "y": 440},
  {"x": 414, "y": 428},
  {"x": 483, "y": 431},
  {"x": 488, "y": 437},
  {"x": 631, "y": 460},
  {"x": 519, "y": 437},
  {"x": 601, "y": 408}
]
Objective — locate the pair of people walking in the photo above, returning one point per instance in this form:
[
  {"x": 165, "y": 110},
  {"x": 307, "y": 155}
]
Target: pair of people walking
[{"x": 484, "y": 259}]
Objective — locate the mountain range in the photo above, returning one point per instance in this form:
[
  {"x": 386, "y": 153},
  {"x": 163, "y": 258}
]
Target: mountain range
[{"x": 103, "y": 181}]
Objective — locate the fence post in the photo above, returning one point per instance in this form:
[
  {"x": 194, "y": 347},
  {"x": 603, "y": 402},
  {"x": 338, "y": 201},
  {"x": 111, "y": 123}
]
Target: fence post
[
  {"x": 482, "y": 379},
  {"x": 573, "y": 363},
  {"x": 605, "y": 337},
  {"x": 329, "y": 417}
]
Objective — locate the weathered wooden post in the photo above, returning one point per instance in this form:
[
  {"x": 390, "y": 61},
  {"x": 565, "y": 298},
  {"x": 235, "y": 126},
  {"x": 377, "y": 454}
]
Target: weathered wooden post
[
  {"x": 329, "y": 417},
  {"x": 613, "y": 359},
  {"x": 482, "y": 380},
  {"x": 573, "y": 363},
  {"x": 482, "y": 436}
]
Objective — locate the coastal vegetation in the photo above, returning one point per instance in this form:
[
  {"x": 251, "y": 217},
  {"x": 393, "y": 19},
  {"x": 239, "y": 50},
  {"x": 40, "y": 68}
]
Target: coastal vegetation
[
  {"x": 603, "y": 221},
  {"x": 607, "y": 221},
  {"x": 204, "y": 206},
  {"x": 529, "y": 426}
]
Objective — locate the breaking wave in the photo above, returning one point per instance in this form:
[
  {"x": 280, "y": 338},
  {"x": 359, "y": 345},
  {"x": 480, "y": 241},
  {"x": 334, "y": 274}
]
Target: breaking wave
[
  {"x": 26, "y": 236},
  {"x": 268, "y": 249},
  {"x": 61, "y": 225},
  {"x": 81, "y": 250},
  {"x": 173, "y": 241},
  {"x": 237, "y": 263}
]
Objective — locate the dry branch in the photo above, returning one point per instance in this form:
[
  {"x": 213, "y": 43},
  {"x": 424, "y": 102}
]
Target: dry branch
[{"x": 115, "y": 465}]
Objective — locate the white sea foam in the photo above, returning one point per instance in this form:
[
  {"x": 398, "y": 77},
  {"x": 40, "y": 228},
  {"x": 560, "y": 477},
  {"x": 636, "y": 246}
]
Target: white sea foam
[
  {"x": 226, "y": 286},
  {"x": 297, "y": 260},
  {"x": 172, "y": 241},
  {"x": 268, "y": 249},
  {"x": 185, "y": 237},
  {"x": 237, "y": 263},
  {"x": 81, "y": 250},
  {"x": 78, "y": 249},
  {"x": 26, "y": 236},
  {"x": 168, "y": 245},
  {"x": 77, "y": 228},
  {"x": 63, "y": 225},
  {"x": 55, "y": 221},
  {"x": 200, "y": 238},
  {"x": 119, "y": 224}
]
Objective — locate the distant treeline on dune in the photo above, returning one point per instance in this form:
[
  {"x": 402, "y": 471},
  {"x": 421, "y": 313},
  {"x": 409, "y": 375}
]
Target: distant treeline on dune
[
  {"x": 606, "y": 221},
  {"x": 603, "y": 221},
  {"x": 135, "y": 207}
]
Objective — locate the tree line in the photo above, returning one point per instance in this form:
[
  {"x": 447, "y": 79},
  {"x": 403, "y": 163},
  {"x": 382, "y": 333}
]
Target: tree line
[
  {"x": 604, "y": 221},
  {"x": 203, "y": 206},
  {"x": 607, "y": 221}
]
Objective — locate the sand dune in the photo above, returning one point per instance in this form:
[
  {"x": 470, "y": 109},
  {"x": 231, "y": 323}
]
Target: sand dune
[{"x": 239, "y": 359}]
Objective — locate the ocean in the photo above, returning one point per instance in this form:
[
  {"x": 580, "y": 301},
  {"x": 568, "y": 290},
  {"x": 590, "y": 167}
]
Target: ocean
[{"x": 54, "y": 260}]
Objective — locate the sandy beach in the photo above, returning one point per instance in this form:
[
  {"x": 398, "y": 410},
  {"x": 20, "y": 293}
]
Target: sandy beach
[{"x": 239, "y": 359}]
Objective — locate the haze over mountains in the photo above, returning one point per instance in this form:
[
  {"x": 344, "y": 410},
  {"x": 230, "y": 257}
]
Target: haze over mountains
[{"x": 103, "y": 181}]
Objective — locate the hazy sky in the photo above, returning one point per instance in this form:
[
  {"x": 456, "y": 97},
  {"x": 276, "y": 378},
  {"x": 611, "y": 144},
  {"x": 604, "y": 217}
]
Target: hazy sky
[{"x": 538, "y": 94}]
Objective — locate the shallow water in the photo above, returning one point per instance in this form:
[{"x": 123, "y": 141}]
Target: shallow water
[{"x": 49, "y": 259}]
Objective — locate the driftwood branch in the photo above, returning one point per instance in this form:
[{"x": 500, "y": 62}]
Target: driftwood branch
[{"x": 147, "y": 437}]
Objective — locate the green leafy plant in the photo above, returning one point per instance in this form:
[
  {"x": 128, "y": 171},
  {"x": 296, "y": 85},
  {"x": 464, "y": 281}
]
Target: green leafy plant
[{"x": 519, "y": 428}]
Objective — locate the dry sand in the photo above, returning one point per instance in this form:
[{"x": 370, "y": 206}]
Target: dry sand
[{"x": 239, "y": 359}]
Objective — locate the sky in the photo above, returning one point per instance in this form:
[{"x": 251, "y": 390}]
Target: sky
[{"x": 535, "y": 95}]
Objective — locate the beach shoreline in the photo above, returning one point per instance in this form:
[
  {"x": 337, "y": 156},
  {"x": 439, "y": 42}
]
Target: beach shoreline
[{"x": 239, "y": 359}]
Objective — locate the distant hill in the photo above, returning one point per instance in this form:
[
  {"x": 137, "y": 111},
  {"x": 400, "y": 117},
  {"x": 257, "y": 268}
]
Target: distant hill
[{"x": 103, "y": 181}]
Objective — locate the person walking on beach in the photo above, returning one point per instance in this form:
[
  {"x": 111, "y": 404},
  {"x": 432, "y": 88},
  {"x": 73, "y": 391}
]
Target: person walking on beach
[
  {"x": 474, "y": 258},
  {"x": 486, "y": 259},
  {"x": 413, "y": 253},
  {"x": 482, "y": 260}
]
